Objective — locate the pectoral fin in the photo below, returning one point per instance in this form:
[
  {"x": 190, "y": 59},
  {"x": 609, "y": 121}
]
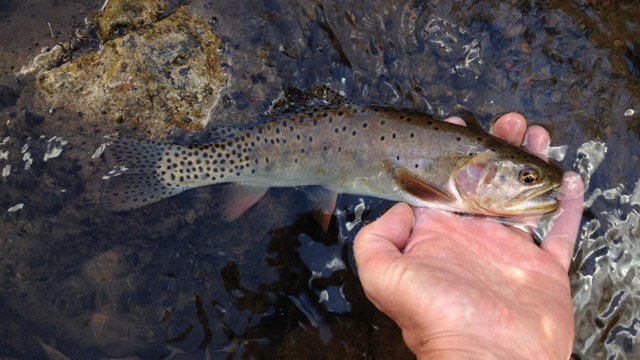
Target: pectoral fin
[
  {"x": 420, "y": 189},
  {"x": 238, "y": 198}
]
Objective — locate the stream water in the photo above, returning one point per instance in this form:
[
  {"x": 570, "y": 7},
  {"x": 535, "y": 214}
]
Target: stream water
[{"x": 173, "y": 281}]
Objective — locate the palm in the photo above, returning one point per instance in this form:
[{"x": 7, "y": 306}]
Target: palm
[
  {"x": 466, "y": 280},
  {"x": 484, "y": 273}
]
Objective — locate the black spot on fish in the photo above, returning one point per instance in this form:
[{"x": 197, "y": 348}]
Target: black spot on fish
[
  {"x": 365, "y": 125},
  {"x": 393, "y": 136},
  {"x": 310, "y": 138},
  {"x": 382, "y": 122},
  {"x": 353, "y": 133},
  {"x": 411, "y": 135},
  {"x": 340, "y": 113},
  {"x": 429, "y": 122},
  {"x": 436, "y": 128},
  {"x": 479, "y": 138},
  {"x": 382, "y": 138},
  {"x": 458, "y": 138}
]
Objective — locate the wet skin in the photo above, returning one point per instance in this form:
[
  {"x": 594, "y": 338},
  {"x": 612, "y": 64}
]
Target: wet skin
[{"x": 471, "y": 288}]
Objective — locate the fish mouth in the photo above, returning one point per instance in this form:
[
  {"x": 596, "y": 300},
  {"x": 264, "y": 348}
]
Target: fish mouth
[{"x": 535, "y": 201}]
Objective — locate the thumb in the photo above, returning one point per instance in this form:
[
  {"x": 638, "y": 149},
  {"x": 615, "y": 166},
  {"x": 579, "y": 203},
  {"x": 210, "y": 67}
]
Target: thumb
[{"x": 380, "y": 242}]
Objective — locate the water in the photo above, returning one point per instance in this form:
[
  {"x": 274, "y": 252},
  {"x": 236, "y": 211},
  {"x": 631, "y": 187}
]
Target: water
[{"x": 172, "y": 280}]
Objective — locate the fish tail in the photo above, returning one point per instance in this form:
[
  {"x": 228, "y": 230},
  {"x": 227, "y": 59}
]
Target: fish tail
[{"x": 148, "y": 171}]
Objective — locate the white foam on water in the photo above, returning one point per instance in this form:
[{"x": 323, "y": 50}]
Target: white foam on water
[
  {"x": 28, "y": 160},
  {"x": 99, "y": 151},
  {"x": 15, "y": 208},
  {"x": 589, "y": 156},
  {"x": 54, "y": 147}
]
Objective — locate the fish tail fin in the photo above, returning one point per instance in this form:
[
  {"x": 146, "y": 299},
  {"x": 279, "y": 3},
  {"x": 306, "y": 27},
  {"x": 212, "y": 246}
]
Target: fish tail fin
[{"x": 148, "y": 171}]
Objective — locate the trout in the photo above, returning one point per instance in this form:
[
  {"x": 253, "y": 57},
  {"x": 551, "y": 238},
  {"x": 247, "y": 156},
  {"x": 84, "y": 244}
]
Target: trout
[{"x": 377, "y": 151}]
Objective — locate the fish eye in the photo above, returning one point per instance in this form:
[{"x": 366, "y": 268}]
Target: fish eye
[{"x": 528, "y": 176}]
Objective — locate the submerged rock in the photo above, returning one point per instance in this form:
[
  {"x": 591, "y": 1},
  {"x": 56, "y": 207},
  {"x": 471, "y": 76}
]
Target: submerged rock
[
  {"x": 150, "y": 74},
  {"x": 119, "y": 17}
]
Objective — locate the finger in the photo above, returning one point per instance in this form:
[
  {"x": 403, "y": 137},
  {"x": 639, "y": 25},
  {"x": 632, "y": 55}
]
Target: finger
[
  {"x": 510, "y": 127},
  {"x": 456, "y": 120},
  {"x": 561, "y": 238},
  {"x": 385, "y": 236},
  {"x": 537, "y": 141}
]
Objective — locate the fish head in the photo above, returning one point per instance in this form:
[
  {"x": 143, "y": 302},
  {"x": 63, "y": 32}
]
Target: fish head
[{"x": 511, "y": 184}]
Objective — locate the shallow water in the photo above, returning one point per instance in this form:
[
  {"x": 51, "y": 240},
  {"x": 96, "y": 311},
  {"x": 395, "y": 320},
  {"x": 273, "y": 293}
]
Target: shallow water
[{"x": 172, "y": 280}]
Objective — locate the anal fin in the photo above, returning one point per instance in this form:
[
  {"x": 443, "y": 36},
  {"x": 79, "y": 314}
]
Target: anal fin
[{"x": 238, "y": 198}]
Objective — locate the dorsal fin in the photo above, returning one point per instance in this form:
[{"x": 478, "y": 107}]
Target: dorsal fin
[
  {"x": 469, "y": 118},
  {"x": 293, "y": 99}
]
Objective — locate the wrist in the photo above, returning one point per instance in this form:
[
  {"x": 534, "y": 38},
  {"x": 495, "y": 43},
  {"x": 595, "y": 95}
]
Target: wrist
[
  {"x": 461, "y": 347},
  {"x": 456, "y": 348}
]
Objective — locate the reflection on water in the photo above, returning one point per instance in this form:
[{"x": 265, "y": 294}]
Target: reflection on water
[{"x": 174, "y": 281}]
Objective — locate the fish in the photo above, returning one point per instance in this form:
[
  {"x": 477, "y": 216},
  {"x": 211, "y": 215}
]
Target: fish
[{"x": 368, "y": 150}]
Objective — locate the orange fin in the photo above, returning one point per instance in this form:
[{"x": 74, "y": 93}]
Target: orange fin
[
  {"x": 420, "y": 189},
  {"x": 324, "y": 204},
  {"x": 238, "y": 198}
]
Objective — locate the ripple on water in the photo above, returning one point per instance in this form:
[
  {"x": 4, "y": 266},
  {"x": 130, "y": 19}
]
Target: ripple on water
[{"x": 605, "y": 286}]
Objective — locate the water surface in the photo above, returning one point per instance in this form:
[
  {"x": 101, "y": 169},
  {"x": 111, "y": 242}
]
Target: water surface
[{"x": 174, "y": 281}]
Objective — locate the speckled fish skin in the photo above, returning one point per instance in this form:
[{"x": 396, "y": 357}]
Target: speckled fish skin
[{"x": 374, "y": 151}]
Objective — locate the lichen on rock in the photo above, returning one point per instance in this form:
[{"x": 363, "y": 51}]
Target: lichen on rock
[
  {"x": 153, "y": 76},
  {"x": 118, "y": 17}
]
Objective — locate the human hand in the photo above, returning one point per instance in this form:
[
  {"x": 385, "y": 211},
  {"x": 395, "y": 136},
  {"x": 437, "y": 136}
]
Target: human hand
[{"x": 465, "y": 287}]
